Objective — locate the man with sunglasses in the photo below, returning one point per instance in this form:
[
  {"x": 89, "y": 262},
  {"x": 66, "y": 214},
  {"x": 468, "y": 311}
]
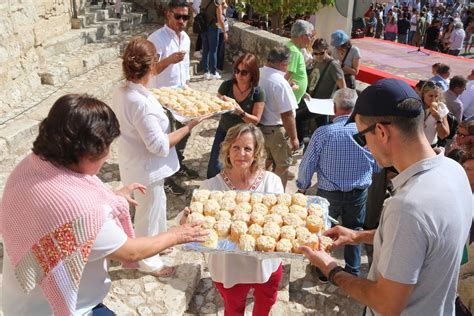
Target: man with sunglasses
[
  {"x": 424, "y": 224},
  {"x": 344, "y": 171},
  {"x": 173, "y": 46}
]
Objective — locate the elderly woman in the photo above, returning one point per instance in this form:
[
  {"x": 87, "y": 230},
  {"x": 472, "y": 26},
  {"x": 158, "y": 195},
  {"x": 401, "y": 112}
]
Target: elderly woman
[
  {"x": 348, "y": 55},
  {"x": 243, "y": 88},
  {"x": 60, "y": 223},
  {"x": 146, "y": 148},
  {"x": 436, "y": 121},
  {"x": 243, "y": 156}
]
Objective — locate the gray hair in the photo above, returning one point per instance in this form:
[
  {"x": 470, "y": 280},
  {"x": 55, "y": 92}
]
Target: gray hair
[
  {"x": 458, "y": 25},
  {"x": 279, "y": 54},
  {"x": 301, "y": 27},
  {"x": 345, "y": 99}
]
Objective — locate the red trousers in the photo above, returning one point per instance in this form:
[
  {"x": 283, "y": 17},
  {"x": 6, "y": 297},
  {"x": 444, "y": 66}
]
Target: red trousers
[{"x": 265, "y": 295}]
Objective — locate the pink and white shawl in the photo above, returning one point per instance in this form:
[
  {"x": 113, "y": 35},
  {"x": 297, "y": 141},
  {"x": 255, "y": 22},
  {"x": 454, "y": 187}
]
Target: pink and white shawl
[{"x": 49, "y": 219}]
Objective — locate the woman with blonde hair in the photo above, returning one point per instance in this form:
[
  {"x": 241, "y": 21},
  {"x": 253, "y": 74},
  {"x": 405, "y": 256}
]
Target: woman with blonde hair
[
  {"x": 436, "y": 112},
  {"x": 243, "y": 157}
]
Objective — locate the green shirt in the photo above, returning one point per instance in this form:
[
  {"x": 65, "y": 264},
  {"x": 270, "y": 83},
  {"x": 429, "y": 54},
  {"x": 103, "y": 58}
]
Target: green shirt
[
  {"x": 229, "y": 120},
  {"x": 297, "y": 67}
]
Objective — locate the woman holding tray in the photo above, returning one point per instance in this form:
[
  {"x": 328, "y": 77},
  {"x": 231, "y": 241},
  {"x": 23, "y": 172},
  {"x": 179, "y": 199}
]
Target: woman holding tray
[
  {"x": 147, "y": 151},
  {"x": 242, "y": 155},
  {"x": 250, "y": 98}
]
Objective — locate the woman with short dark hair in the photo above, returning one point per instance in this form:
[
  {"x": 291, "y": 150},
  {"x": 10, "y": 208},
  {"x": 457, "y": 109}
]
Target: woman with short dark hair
[
  {"x": 147, "y": 151},
  {"x": 60, "y": 223},
  {"x": 243, "y": 88}
]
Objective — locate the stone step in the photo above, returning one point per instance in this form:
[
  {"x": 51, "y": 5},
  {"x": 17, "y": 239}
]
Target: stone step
[
  {"x": 127, "y": 7},
  {"x": 74, "y": 39},
  {"x": 148, "y": 295}
]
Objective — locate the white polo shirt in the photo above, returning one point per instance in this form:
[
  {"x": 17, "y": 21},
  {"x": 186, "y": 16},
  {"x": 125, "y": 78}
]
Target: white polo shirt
[
  {"x": 467, "y": 99},
  {"x": 278, "y": 94},
  {"x": 166, "y": 42}
]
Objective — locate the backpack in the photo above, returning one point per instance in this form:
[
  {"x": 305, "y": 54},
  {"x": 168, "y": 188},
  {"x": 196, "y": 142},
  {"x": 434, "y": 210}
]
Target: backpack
[{"x": 200, "y": 23}]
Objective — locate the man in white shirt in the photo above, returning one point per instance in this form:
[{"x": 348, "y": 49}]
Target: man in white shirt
[
  {"x": 413, "y": 22},
  {"x": 457, "y": 85},
  {"x": 467, "y": 97},
  {"x": 456, "y": 41},
  {"x": 173, "y": 46},
  {"x": 278, "y": 118}
]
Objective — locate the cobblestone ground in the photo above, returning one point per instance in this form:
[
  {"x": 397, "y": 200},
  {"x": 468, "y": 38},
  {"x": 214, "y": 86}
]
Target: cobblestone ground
[{"x": 136, "y": 294}]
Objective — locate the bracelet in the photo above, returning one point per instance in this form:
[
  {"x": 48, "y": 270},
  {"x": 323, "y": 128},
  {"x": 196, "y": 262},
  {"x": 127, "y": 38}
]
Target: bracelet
[{"x": 333, "y": 273}]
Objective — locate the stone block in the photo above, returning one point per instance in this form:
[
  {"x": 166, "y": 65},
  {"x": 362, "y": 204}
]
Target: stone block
[
  {"x": 19, "y": 136},
  {"x": 3, "y": 149},
  {"x": 45, "y": 29}
]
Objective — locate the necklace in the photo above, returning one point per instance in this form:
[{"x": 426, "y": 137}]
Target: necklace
[{"x": 242, "y": 91}]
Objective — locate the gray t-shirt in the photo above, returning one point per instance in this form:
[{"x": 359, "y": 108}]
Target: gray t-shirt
[
  {"x": 328, "y": 83},
  {"x": 353, "y": 53},
  {"x": 422, "y": 232}
]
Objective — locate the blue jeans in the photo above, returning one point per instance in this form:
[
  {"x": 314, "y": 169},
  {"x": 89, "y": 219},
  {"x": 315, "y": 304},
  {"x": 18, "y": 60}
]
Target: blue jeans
[
  {"x": 403, "y": 38},
  {"x": 351, "y": 207},
  {"x": 210, "y": 40},
  {"x": 102, "y": 310},
  {"x": 214, "y": 166},
  {"x": 410, "y": 37}
]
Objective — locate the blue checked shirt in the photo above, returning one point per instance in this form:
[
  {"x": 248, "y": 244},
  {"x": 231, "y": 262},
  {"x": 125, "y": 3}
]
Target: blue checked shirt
[{"x": 341, "y": 164}]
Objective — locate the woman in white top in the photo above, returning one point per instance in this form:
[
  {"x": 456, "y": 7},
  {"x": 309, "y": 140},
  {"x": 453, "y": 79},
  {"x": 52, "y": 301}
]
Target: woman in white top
[
  {"x": 436, "y": 121},
  {"x": 243, "y": 156},
  {"x": 146, "y": 145}
]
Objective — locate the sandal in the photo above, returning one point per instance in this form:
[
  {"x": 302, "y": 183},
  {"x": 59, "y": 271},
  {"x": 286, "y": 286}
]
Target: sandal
[
  {"x": 164, "y": 272},
  {"x": 167, "y": 251}
]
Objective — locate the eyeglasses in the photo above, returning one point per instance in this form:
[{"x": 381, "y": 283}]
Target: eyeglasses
[
  {"x": 183, "y": 17},
  {"x": 241, "y": 72},
  {"x": 319, "y": 54},
  {"x": 360, "y": 137},
  {"x": 461, "y": 135}
]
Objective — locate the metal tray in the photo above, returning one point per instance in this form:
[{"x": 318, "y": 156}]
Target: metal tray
[{"x": 227, "y": 246}]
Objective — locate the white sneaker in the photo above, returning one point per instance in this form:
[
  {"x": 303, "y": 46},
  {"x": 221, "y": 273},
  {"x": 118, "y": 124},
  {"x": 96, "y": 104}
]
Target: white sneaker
[
  {"x": 216, "y": 76},
  {"x": 207, "y": 76}
]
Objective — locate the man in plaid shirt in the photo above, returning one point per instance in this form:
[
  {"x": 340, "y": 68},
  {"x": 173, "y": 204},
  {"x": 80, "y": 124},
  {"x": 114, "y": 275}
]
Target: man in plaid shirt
[{"x": 344, "y": 171}]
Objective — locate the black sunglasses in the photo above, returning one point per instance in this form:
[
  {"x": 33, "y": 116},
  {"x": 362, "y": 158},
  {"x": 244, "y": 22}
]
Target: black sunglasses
[
  {"x": 183, "y": 17},
  {"x": 242, "y": 72},
  {"x": 360, "y": 137},
  {"x": 319, "y": 54}
]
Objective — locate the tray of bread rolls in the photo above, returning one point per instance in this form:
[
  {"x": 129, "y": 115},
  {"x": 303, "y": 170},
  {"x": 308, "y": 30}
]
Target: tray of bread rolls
[
  {"x": 186, "y": 104},
  {"x": 261, "y": 225}
]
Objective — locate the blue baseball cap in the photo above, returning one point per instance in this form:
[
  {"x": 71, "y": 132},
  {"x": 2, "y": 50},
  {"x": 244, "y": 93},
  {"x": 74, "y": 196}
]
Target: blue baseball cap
[
  {"x": 382, "y": 99},
  {"x": 338, "y": 38}
]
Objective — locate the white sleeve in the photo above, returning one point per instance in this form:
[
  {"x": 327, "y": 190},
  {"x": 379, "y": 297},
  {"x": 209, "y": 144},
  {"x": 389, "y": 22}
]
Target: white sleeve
[
  {"x": 273, "y": 183},
  {"x": 109, "y": 239},
  {"x": 286, "y": 100},
  {"x": 147, "y": 124}
]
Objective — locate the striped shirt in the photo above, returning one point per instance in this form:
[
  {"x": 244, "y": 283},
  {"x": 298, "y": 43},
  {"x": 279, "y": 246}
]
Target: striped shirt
[{"x": 341, "y": 164}]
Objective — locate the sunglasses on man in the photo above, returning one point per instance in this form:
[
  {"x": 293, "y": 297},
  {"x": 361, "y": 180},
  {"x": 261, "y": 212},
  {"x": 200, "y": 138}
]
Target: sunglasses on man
[
  {"x": 360, "y": 139},
  {"x": 183, "y": 17}
]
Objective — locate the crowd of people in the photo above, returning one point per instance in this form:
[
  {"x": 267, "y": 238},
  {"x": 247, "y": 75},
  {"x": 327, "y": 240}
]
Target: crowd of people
[
  {"x": 414, "y": 146},
  {"x": 443, "y": 26}
]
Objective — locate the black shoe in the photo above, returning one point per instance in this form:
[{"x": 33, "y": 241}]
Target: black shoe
[
  {"x": 172, "y": 187},
  {"x": 119, "y": 16},
  {"x": 317, "y": 274},
  {"x": 188, "y": 173}
]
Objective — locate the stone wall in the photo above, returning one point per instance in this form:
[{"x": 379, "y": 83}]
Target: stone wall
[
  {"x": 25, "y": 27},
  {"x": 155, "y": 9},
  {"x": 244, "y": 38}
]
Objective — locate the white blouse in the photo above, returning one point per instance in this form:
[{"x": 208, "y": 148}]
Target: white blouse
[
  {"x": 231, "y": 269},
  {"x": 144, "y": 152}
]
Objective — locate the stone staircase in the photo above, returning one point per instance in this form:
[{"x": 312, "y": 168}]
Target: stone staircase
[{"x": 74, "y": 62}]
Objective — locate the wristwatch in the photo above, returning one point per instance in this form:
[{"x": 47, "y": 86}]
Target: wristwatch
[{"x": 333, "y": 273}]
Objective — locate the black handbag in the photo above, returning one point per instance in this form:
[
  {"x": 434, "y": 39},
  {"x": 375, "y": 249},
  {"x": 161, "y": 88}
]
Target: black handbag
[{"x": 200, "y": 23}]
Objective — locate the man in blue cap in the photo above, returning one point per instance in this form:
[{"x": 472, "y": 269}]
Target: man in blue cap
[{"x": 424, "y": 225}]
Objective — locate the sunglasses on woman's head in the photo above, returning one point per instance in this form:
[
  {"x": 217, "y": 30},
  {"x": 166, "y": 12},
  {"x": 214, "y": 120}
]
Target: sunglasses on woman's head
[
  {"x": 242, "y": 72},
  {"x": 432, "y": 84},
  {"x": 183, "y": 17}
]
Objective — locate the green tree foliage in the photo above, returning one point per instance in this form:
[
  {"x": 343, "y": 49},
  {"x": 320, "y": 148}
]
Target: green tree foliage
[{"x": 284, "y": 7}]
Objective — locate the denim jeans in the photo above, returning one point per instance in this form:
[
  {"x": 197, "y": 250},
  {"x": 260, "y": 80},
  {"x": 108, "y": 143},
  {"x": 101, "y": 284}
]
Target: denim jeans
[
  {"x": 102, "y": 310},
  {"x": 403, "y": 38},
  {"x": 210, "y": 40},
  {"x": 411, "y": 34},
  {"x": 214, "y": 166},
  {"x": 350, "y": 206}
]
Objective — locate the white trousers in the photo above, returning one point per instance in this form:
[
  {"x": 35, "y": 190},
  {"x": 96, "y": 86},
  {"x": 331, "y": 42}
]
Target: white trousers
[{"x": 150, "y": 220}]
